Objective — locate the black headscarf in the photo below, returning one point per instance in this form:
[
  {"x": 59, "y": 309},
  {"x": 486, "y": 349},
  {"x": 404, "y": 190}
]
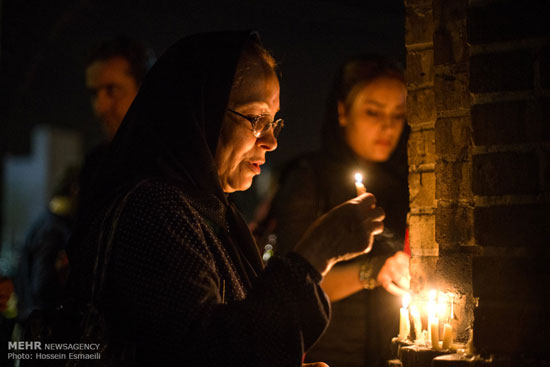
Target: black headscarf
[{"x": 171, "y": 131}]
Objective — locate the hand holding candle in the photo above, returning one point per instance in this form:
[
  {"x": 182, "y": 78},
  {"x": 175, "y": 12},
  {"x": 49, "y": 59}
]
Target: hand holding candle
[{"x": 359, "y": 187}]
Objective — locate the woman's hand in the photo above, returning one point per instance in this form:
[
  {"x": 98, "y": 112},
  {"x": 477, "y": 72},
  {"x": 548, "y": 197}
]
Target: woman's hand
[
  {"x": 343, "y": 233},
  {"x": 394, "y": 275}
]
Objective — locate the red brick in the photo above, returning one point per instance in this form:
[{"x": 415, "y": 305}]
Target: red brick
[
  {"x": 504, "y": 71},
  {"x": 452, "y": 138},
  {"x": 420, "y": 69},
  {"x": 505, "y": 173},
  {"x": 451, "y": 88},
  {"x": 508, "y": 21},
  {"x": 512, "y": 225},
  {"x": 508, "y": 122},
  {"x": 418, "y": 24},
  {"x": 453, "y": 180},
  {"x": 421, "y": 106}
]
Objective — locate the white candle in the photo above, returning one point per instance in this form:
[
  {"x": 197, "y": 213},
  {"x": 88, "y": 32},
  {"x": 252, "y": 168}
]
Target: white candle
[
  {"x": 359, "y": 187},
  {"x": 417, "y": 323},
  {"x": 447, "y": 336},
  {"x": 434, "y": 331},
  {"x": 432, "y": 309},
  {"x": 404, "y": 322}
]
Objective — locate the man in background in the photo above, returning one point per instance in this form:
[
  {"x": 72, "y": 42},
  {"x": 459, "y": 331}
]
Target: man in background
[{"x": 113, "y": 73}]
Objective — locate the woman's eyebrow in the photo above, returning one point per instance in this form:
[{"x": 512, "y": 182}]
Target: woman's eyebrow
[{"x": 378, "y": 104}]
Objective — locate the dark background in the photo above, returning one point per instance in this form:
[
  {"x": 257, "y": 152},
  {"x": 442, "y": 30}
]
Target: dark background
[{"x": 44, "y": 45}]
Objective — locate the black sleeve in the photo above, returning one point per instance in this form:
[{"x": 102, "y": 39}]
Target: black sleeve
[{"x": 165, "y": 289}]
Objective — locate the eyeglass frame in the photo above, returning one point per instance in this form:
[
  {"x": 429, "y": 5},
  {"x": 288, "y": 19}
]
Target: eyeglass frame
[{"x": 254, "y": 120}]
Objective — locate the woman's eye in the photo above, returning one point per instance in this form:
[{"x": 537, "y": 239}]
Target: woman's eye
[{"x": 372, "y": 113}]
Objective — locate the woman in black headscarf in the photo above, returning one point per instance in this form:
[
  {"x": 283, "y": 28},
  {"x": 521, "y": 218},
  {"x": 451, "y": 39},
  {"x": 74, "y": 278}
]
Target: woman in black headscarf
[{"x": 184, "y": 279}]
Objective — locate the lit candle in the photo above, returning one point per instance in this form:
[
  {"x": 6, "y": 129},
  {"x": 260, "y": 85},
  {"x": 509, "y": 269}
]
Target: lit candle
[
  {"x": 434, "y": 331},
  {"x": 447, "y": 336},
  {"x": 417, "y": 323},
  {"x": 359, "y": 187},
  {"x": 432, "y": 309},
  {"x": 404, "y": 323}
]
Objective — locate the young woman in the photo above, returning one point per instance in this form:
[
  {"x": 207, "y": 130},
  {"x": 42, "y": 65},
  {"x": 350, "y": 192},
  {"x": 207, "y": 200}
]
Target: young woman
[{"x": 363, "y": 132}]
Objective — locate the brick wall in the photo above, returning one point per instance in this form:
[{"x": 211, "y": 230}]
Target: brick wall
[{"x": 478, "y": 75}]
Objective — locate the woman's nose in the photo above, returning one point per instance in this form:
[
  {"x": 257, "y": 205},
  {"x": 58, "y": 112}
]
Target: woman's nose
[{"x": 268, "y": 141}]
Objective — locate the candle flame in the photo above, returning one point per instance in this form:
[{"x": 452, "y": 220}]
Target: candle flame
[
  {"x": 432, "y": 295},
  {"x": 406, "y": 300},
  {"x": 359, "y": 177}
]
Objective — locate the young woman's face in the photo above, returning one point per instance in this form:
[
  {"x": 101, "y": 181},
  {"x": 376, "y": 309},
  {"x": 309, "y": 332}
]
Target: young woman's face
[
  {"x": 374, "y": 122},
  {"x": 240, "y": 153}
]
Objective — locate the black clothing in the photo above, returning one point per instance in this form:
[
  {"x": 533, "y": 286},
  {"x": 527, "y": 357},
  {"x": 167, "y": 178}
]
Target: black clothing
[
  {"x": 185, "y": 280},
  {"x": 41, "y": 271}
]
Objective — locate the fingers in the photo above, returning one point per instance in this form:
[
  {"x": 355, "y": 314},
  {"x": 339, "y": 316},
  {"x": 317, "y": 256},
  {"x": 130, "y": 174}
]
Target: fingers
[{"x": 395, "y": 290}]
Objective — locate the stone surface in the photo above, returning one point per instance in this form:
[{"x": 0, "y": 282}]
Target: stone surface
[
  {"x": 508, "y": 21},
  {"x": 512, "y": 225},
  {"x": 454, "y": 226},
  {"x": 423, "y": 273},
  {"x": 506, "y": 327},
  {"x": 453, "y": 180},
  {"x": 545, "y": 68},
  {"x": 508, "y": 122},
  {"x": 418, "y": 24},
  {"x": 452, "y": 137},
  {"x": 421, "y": 147},
  {"x": 421, "y": 106},
  {"x": 422, "y": 235},
  {"x": 450, "y": 45},
  {"x": 422, "y": 189},
  {"x": 501, "y": 71},
  {"x": 451, "y": 87},
  {"x": 420, "y": 69},
  {"x": 511, "y": 278},
  {"x": 505, "y": 173}
]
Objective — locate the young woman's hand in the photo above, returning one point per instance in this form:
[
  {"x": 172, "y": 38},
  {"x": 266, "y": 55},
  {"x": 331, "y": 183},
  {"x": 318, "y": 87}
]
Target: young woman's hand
[
  {"x": 343, "y": 233},
  {"x": 394, "y": 275}
]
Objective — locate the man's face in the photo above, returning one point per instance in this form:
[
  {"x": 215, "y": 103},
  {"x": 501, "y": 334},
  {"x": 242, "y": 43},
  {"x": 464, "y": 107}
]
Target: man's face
[{"x": 112, "y": 89}]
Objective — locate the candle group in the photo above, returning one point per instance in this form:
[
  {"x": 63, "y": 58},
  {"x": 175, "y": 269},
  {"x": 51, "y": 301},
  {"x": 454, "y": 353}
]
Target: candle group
[{"x": 435, "y": 311}]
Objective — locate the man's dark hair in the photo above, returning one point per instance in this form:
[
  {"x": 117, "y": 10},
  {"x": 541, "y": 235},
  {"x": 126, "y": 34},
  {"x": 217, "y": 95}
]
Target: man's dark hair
[{"x": 138, "y": 56}]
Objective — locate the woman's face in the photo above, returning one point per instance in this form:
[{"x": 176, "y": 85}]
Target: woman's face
[
  {"x": 239, "y": 153},
  {"x": 375, "y": 120}
]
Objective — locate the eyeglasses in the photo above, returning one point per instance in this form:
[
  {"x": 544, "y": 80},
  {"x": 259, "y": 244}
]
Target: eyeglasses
[{"x": 262, "y": 123}]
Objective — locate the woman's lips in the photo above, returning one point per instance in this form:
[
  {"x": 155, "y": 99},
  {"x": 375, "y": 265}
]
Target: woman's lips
[
  {"x": 384, "y": 143},
  {"x": 255, "y": 166}
]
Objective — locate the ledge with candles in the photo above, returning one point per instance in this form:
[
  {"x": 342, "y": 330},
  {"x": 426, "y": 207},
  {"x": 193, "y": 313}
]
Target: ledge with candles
[{"x": 422, "y": 347}]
